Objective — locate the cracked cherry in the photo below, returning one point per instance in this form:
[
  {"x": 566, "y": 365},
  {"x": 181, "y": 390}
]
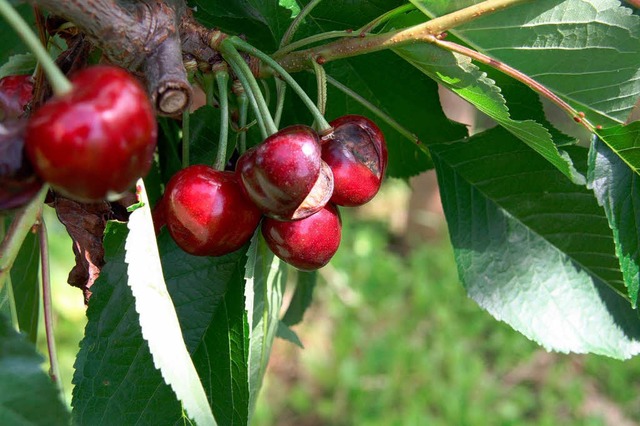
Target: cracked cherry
[
  {"x": 285, "y": 175},
  {"x": 206, "y": 212},
  {"x": 93, "y": 142},
  {"x": 18, "y": 182},
  {"x": 307, "y": 244},
  {"x": 357, "y": 154},
  {"x": 16, "y": 92}
]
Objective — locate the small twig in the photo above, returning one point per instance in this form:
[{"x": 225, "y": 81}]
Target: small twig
[
  {"x": 537, "y": 87},
  {"x": 47, "y": 306}
]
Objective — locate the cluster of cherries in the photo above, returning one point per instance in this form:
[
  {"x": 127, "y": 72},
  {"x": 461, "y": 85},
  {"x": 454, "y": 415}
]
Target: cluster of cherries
[
  {"x": 89, "y": 144},
  {"x": 92, "y": 142},
  {"x": 295, "y": 178}
]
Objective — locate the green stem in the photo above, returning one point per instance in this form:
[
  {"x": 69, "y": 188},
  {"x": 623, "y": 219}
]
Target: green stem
[
  {"x": 345, "y": 48},
  {"x": 47, "y": 306},
  {"x": 10, "y": 299},
  {"x": 374, "y": 109},
  {"x": 288, "y": 35},
  {"x": 222, "y": 79},
  {"x": 209, "y": 88},
  {"x": 244, "y": 74},
  {"x": 246, "y": 47},
  {"x": 59, "y": 83},
  {"x": 384, "y": 18},
  {"x": 281, "y": 91},
  {"x": 313, "y": 39},
  {"x": 321, "y": 80},
  {"x": 17, "y": 232},
  {"x": 186, "y": 138},
  {"x": 243, "y": 104}
]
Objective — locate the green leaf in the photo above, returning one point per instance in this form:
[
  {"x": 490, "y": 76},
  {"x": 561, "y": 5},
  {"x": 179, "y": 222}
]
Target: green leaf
[
  {"x": 460, "y": 75},
  {"x": 617, "y": 189},
  {"x": 302, "y": 297},
  {"x": 555, "y": 42},
  {"x": 265, "y": 278},
  {"x": 27, "y": 395},
  {"x": 11, "y": 42},
  {"x": 288, "y": 334},
  {"x": 26, "y": 286},
  {"x": 534, "y": 249},
  {"x": 18, "y": 65},
  {"x": 115, "y": 377},
  {"x": 157, "y": 317},
  {"x": 625, "y": 143}
]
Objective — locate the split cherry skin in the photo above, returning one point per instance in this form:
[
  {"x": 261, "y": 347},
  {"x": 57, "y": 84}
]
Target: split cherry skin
[
  {"x": 206, "y": 212},
  {"x": 285, "y": 175},
  {"x": 357, "y": 154},
  {"x": 93, "y": 142},
  {"x": 307, "y": 244}
]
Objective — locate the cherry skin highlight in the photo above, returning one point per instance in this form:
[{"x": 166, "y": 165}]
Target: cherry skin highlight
[
  {"x": 285, "y": 175},
  {"x": 206, "y": 212},
  {"x": 94, "y": 142},
  {"x": 307, "y": 244},
  {"x": 357, "y": 154}
]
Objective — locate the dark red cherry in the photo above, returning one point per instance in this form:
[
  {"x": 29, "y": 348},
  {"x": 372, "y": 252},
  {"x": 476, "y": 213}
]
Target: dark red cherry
[
  {"x": 18, "y": 182},
  {"x": 357, "y": 154},
  {"x": 285, "y": 175},
  {"x": 15, "y": 93},
  {"x": 95, "y": 141},
  {"x": 307, "y": 244},
  {"x": 207, "y": 213}
]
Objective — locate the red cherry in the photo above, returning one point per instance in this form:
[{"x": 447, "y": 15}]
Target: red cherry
[
  {"x": 18, "y": 182},
  {"x": 307, "y": 244},
  {"x": 285, "y": 176},
  {"x": 15, "y": 93},
  {"x": 95, "y": 141},
  {"x": 206, "y": 212},
  {"x": 357, "y": 154}
]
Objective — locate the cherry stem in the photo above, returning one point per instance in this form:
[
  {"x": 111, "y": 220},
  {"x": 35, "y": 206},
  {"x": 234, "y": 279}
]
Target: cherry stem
[
  {"x": 59, "y": 83},
  {"x": 314, "y": 39},
  {"x": 517, "y": 75},
  {"x": 374, "y": 109},
  {"x": 281, "y": 92},
  {"x": 295, "y": 24},
  {"x": 348, "y": 47},
  {"x": 317, "y": 115},
  {"x": 222, "y": 79},
  {"x": 17, "y": 232},
  {"x": 186, "y": 138},
  {"x": 243, "y": 106},
  {"x": 321, "y": 80},
  {"x": 244, "y": 74},
  {"x": 47, "y": 305},
  {"x": 10, "y": 299},
  {"x": 384, "y": 18}
]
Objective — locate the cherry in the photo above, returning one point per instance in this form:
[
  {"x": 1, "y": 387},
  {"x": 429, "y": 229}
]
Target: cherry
[
  {"x": 357, "y": 154},
  {"x": 307, "y": 244},
  {"x": 207, "y": 213},
  {"x": 15, "y": 93},
  {"x": 18, "y": 182},
  {"x": 95, "y": 141},
  {"x": 285, "y": 175}
]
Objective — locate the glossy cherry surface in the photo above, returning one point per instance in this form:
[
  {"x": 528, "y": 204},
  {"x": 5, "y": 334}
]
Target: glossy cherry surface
[
  {"x": 18, "y": 182},
  {"x": 15, "y": 93},
  {"x": 207, "y": 213},
  {"x": 307, "y": 244},
  {"x": 285, "y": 175},
  {"x": 357, "y": 154},
  {"x": 95, "y": 141}
]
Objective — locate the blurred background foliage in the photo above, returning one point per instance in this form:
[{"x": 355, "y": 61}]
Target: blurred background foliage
[{"x": 392, "y": 339}]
